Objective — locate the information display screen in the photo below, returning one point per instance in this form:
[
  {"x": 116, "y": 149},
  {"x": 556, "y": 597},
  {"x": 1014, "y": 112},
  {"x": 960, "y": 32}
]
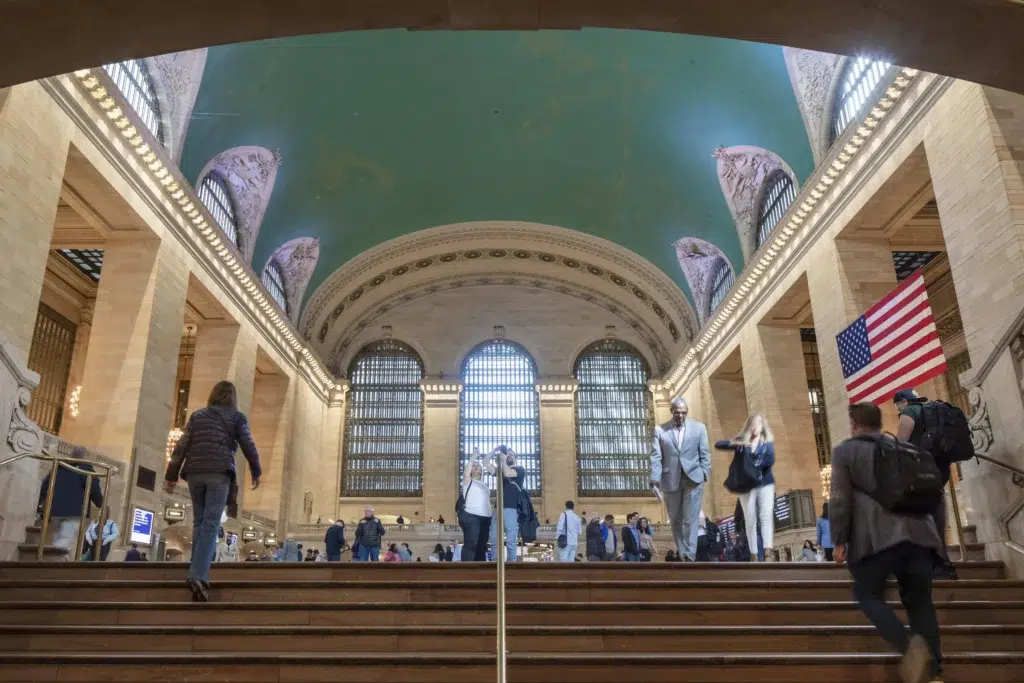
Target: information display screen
[{"x": 142, "y": 526}]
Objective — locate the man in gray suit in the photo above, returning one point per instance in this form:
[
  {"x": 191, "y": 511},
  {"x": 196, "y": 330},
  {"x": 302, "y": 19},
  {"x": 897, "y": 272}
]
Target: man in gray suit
[{"x": 680, "y": 464}]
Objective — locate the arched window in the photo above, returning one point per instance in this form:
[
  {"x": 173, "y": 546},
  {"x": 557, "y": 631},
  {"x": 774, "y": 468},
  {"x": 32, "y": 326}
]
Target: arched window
[
  {"x": 132, "y": 78},
  {"x": 499, "y": 406},
  {"x": 720, "y": 284},
  {"x": 860, "y": 78},
  {"x": 613, "y": 421},
  {"x": 274, "y": 282},
  {"x": 779, "y": 193},
  {"x": 384, "y": 422},
  {"x": 215, "y": 196}
]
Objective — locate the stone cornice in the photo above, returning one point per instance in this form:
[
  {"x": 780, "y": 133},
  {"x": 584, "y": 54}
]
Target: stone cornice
[
  {"x": 99, "y": 111},
  {"x": 438, "y": 393},
  {"x": 557, "y": 391},
  {"x": 811, "y": 213}
]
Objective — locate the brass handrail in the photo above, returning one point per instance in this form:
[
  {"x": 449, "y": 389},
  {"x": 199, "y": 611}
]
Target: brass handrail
[
  {"x": 68, "y": 463},
  {"x": 1012, "y": 469},
  {"x": 999, "y": 463},
  {"x": 499, "y": 552}
]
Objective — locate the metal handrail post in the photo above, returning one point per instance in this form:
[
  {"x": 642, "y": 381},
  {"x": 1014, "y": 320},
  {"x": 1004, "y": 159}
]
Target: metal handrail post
[
  {"x": 956, "y": 517},
  {"x": 500, "y": 556},
  {"x": 47, "y": 506}
]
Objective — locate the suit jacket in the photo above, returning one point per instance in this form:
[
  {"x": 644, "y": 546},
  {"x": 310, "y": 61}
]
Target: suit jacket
[{"x": 669, "y": 461}]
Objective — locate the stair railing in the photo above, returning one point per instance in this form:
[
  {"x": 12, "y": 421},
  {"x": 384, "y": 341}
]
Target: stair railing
[{"x": 101, "y": 470}]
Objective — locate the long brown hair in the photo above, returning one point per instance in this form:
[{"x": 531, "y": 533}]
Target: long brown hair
[
  {"x": 223, "y": 395},
  {"x": 766, "y": 431}
]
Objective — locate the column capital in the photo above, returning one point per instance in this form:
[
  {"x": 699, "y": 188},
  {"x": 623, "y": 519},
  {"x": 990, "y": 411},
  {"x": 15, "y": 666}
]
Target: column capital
[
  {"x": 438, "y": 392},
  {"x": 339, "y": 394},
  {"x": 555, "y": 391},
  {"x": 660, "y": 391}
]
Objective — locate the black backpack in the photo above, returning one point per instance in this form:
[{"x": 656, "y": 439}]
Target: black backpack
[
  {"x": 527, "y": 517},
  {"x": 907, "y": 480},
  {"x": 947, "y": 433}
]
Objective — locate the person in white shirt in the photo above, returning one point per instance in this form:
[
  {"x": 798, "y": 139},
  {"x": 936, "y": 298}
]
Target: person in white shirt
[
  {"x": 227, "y": 551},
  {"x": 475, "y": 512},
  {"x": 109, "y": 536},
  {"x": 569, "y": 525}
]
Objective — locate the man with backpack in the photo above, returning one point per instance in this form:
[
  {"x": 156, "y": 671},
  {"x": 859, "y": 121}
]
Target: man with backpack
[
  {"x": 882, "y": 490},
  {"x": 943, "y": 431}
]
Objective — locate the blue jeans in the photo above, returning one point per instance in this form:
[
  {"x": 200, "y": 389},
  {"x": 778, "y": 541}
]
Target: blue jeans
[
  {"x": 511, "y": 533},
  {"x": 209, "y": 492},
  {"x": 367, "y": 554},
  {"x": 631, "y": 557}
]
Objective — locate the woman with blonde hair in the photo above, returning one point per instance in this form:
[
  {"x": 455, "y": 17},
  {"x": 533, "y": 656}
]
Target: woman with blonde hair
[
  {"x": 751, "y": 479},
  {"x": 474, "y": 511}
]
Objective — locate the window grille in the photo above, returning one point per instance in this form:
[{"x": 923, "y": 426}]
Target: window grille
[
  {"x": 861, "y": 77},
  {"x": 816, "y": 396},
  {"x": 779, "y": 193},
  {"x": 214, "y": 195},
  {"x": 720, "y": 285},
  {"x": 907, "y": 263},
  {"x": 89, "y": 261},
  {"x": 274, "y": 283},
  {"x": 53, "y": 344},
  {"x": 613, "y": 421},
  {"x": 500, "y": 406},
  {"x": 132, "y": 78},
  {"x": 384, "y": 423}
]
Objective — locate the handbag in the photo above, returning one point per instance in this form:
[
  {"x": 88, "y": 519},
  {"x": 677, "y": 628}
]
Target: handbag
[
  {"x": 563, "y": 539},
  {"x": 743, "y": 476}
]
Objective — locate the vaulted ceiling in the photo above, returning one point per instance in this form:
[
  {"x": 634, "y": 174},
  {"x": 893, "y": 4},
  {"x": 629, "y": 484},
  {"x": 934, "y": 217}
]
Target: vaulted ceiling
[{"x": 384, "y": 133}]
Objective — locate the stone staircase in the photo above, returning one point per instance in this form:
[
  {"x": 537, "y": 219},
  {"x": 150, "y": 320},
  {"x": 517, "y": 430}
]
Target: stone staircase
[{"x": 435, "y": 623}]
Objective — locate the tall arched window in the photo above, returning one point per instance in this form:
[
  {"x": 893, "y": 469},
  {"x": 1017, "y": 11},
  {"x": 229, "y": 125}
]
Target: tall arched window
[
  {"x": 215, "y": 196},
  {"x": 384, "y": 422},
  {"x": 274, "y": 282},
  {"x": 613, "y": 421},
  {"x": 499, "y": 406},
  {"x": 720, "y": 284},
  {"x": 779, "y": 193},
  {"x": 860, "y": 78},
  {"x": 132, "y": 78}
]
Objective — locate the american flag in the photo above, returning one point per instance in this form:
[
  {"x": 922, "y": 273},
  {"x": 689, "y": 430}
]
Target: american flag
[{"x": 893, "y": 346}]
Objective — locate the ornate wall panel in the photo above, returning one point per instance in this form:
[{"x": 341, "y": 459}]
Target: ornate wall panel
[
  {"x": 813, "y": 75},
  {"x": 176, "y": 78},
  {"x": 297, "y": 259},
  {"x": 700, "y": 260}
]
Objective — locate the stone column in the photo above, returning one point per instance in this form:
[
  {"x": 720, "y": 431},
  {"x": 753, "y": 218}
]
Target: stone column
[
  {"x": 661, "y": 405},
  {"x": 330, "y": 458},
  {"x": 270, "y": 418},
  {"x": 128, "y": 383},
  {"x": 440, "y": 446},
  {"x": 725, "y": 403},
  {"x": 77, "y": 370},
  {"x": 224, "y": 352},
  {"x": 775, "y": 380},
  {"x": 845, "y": 279},
  {"x": 34, "y": 140},
  {"x": 557, "y": 443}
]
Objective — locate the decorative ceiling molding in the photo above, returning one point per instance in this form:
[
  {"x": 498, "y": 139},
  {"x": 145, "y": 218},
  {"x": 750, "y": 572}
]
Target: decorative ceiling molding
[
  {"x": 297, "y": 259},
  {"x": 742, "y": 171},
  {"x": 176, "y": 78},
  {"x": 658, "y": 291},
  {"x": 813, "y": 75},
  {"x": 250, "y": 173},
  {"x": 342, "y": 349},
  {"x": 700, "y": 260}
]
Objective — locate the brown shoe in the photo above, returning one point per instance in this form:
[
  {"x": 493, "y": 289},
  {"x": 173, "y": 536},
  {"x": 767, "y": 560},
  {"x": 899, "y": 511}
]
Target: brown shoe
[{"x": 915, "y": 667}]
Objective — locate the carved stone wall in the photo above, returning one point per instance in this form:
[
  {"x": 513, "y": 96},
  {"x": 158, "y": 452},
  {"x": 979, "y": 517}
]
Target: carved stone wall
[
  {"x": 700, "y": 260},
  {"x": 813, "y": 76},
  {"x": 250, "y": 173},
  {"x": 742, "y": 171},
  {"x": 297, "y": 259},
  {"x": 176, "y": 78}
]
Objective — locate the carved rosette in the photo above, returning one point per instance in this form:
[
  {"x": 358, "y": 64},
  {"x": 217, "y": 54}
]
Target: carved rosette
[
  {"x": 297, "y": 259},
  {"x": 981, "y": 425},
  {"x": 742, "y": 172},
  {"x": 812, "y": 74},
  {"x": 250, "y": 172},
  {"x": 700, "y": 260}
]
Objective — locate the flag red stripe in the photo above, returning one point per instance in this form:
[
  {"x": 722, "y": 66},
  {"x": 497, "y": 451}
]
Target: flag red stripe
[
  {"x": 911, "y": 281},
  {"x": 885, "y": 375},
  {"x": 897, "y": 353},
  {"x": 920, "y": 325},
  {"x": 912, "y": 381},
  {"x": 898, "y": 317}
]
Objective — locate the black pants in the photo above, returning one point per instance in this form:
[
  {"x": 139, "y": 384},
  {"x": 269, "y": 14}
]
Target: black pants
[
  {"x": 476, "y": 530},
  {"x": 912, "y": 566},
  {"x": 828, "y": 554}
]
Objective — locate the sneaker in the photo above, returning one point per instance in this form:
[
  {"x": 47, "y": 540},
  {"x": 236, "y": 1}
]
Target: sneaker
[
  {"x": 916, "y": 663},
  {"x": 200, "y": 592}
]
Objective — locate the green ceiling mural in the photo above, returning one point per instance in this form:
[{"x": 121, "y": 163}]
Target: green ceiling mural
[{"x": 387, "y": 132}]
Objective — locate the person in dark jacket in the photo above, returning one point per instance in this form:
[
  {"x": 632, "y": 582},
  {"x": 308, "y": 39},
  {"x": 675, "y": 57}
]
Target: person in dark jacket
[
  {"x": 68, "y": 496},
  {"x": 334, "y": 541},
  {"x": 595, "y": 540},
  {"x": 133, "y": 554},
  {"x": 631, "y": 538},
  {"x": 205, "y": 458},
  {"x": 369, "y": 534}
]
